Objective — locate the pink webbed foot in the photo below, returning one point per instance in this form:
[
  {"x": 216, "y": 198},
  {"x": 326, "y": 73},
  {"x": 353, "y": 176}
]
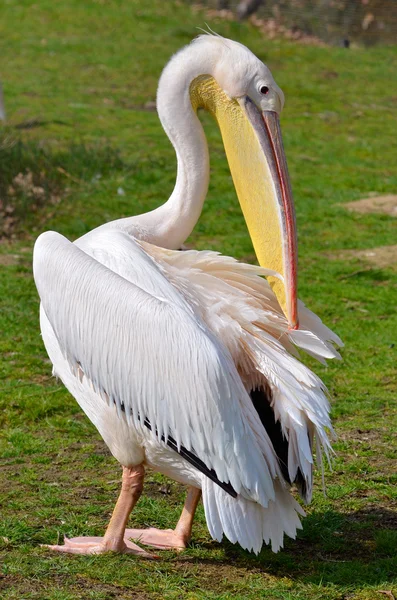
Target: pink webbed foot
[
  {"x": 163, "y": 539},
  {"x": 96, "y": 545}
]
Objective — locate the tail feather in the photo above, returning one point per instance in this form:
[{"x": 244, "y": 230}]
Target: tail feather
[{"x": 248, "y": 523}]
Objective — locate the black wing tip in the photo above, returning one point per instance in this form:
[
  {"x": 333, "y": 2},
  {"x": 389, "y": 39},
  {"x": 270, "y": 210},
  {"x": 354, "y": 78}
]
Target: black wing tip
[
  {"x": 261, "y": 399},
  {"x": 195, "y": 461}
]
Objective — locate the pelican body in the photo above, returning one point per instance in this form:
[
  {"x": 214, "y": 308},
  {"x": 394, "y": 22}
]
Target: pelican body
[{"x": 187, "y": 362}]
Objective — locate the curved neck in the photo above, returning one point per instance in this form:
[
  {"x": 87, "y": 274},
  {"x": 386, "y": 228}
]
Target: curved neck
[{"x": 171, "y": 224}]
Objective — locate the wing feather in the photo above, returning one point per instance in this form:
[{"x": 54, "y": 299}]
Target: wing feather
[
  {"x": 144, "y": 349},
  {"x": 238, "y": 305}
]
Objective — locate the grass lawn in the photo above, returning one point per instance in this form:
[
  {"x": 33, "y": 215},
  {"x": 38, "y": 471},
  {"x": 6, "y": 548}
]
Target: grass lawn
[{"x": 79, "y": 80}]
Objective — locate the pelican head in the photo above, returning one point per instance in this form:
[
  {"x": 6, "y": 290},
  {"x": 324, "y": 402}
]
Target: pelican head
[{"x": 229, "y": 81}]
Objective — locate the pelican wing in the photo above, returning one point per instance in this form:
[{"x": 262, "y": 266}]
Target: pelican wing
[
  {"x": 145, "y": 351},
  {"x": 239, "y": 307}
]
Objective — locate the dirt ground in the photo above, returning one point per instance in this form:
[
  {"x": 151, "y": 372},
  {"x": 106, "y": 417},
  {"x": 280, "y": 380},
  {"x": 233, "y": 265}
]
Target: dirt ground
[
  {"x": 382, "y": 257},
  {"x": 375, "y": 204}
]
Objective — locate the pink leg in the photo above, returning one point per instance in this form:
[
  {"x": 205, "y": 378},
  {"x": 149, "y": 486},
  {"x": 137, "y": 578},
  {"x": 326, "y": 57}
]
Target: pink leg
[
  {"x": 114, "y": 539},
  {"x": 175, "y": 539}
]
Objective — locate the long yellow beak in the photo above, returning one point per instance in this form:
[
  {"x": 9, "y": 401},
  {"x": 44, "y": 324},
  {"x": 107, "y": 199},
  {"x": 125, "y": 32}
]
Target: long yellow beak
[
  {"x": 274, "y": 237},
  {"x": 255, "y": 153}
]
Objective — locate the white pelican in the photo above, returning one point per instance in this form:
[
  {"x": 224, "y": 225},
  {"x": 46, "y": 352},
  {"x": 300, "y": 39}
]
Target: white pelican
[{"x": 186, "y": 361}]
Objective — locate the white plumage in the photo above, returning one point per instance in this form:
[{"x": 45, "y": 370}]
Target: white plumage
[{"x": 161, "y": 346}]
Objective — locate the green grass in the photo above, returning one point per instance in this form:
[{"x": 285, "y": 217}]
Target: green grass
[{"x": 77, "y": 78}]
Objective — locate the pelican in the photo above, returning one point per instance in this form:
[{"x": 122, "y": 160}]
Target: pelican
[{"x": 185, "y": 361}]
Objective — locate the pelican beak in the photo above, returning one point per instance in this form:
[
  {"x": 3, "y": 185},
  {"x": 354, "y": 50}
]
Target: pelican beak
[
  {"x": 268, "y": 207},
  {"x": 255, "y": 153}
]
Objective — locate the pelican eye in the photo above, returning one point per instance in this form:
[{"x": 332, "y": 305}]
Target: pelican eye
[{"x": 264, "y": 90}]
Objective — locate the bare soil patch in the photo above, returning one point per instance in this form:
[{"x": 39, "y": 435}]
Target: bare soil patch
[
  {"x": 382, "y": 257},
  {"x": 8, "y": 260},
  {"x": 375, "y": 204}
]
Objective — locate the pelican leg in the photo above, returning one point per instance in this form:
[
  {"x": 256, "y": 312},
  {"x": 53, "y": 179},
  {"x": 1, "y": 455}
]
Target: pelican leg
[
  {"x": 172, "y": 539},
  {"x": 114, "y": 539}
]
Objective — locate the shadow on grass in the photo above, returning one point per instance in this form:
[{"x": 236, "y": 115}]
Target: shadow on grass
[
  {"x": 34, "y": 175},
  {"x": 334, "y": 548}
]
